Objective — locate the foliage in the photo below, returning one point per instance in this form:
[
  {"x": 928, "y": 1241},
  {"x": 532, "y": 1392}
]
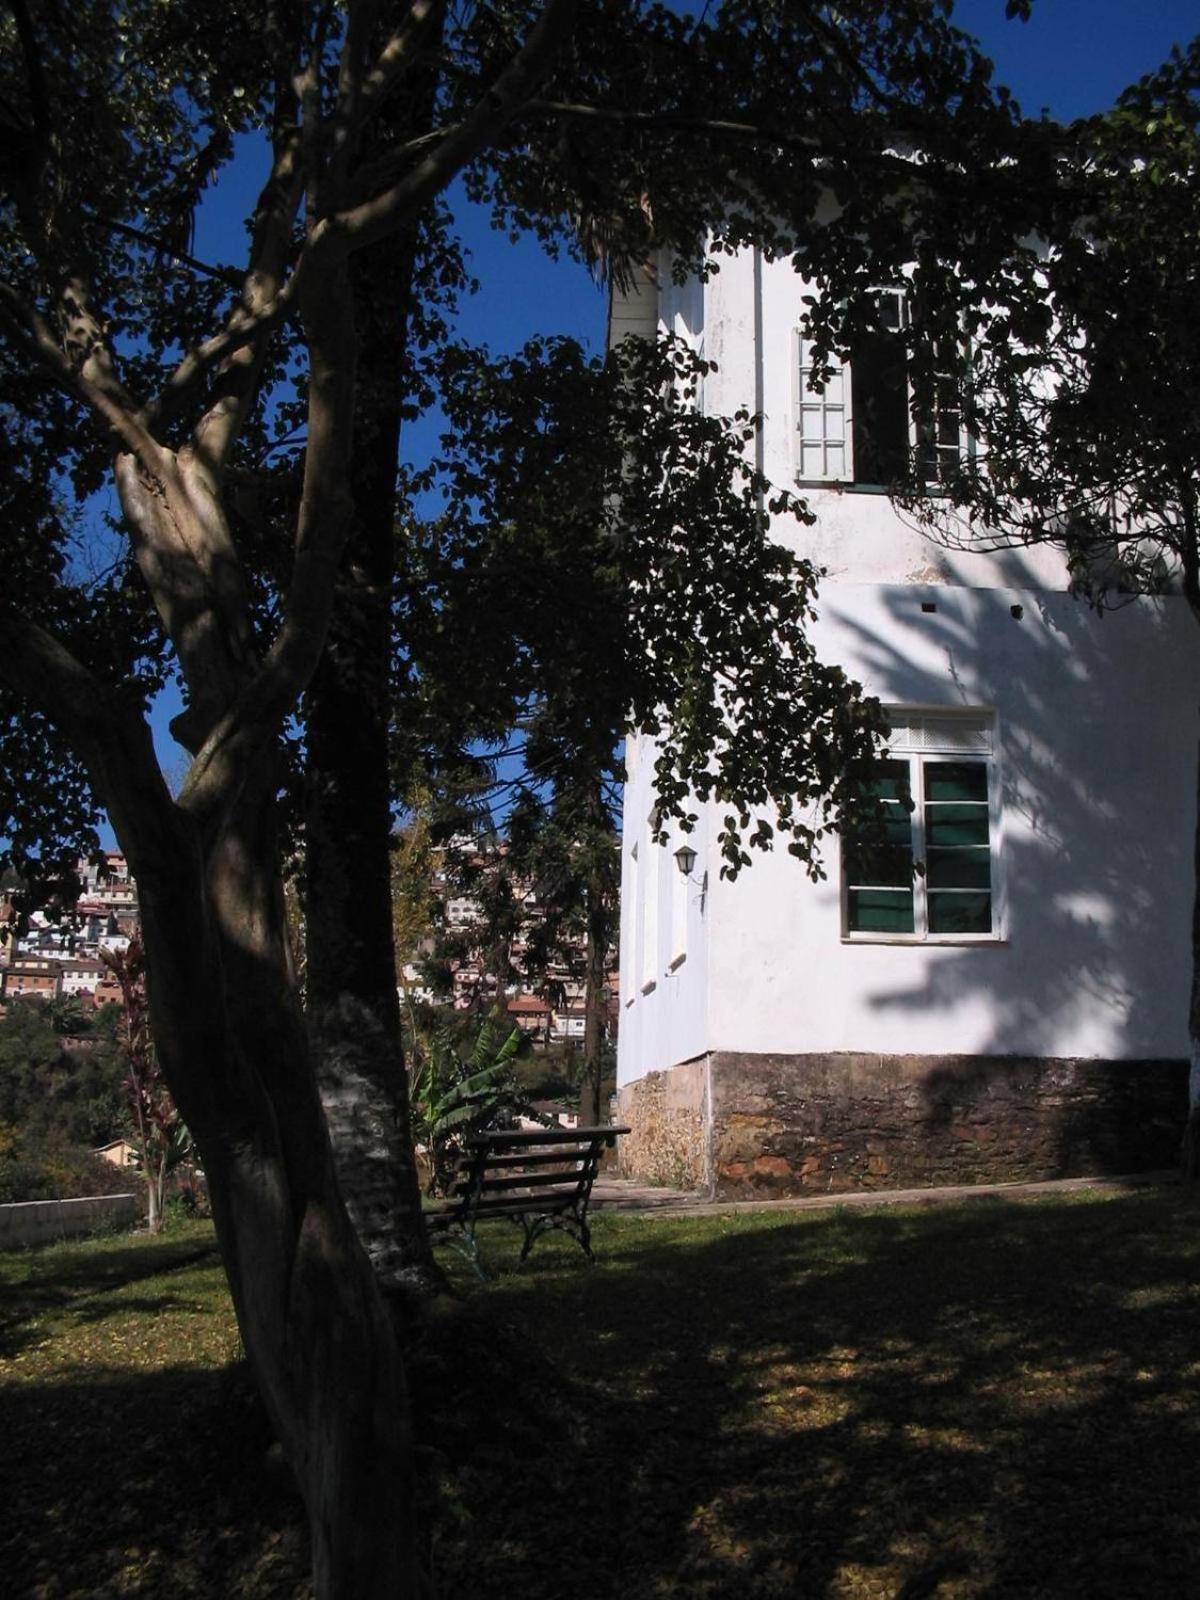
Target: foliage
[
  {"x": 637, "y": 536},
  {"x": 1084, "y": 375},
  {"x": 455, "y": 1094},
  {"x": 52, "y": 1092},
  {"x": 46, "y": 1165},
  {"x": 157, "y": 1130},
  {"x": 179, "y": 384}
]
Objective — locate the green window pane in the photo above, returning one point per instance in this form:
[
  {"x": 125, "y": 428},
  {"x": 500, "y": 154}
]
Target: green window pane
[
  {"x": 960, "y": 913},
  {"x": 893, "y": 784},
  {"x": 897, "y": 826},
  {"x": 956, "y": 825},
  {"x": 958, "y": 869},
  {"x": 881, "y": 911},
  {"x": 880, "y": 864},
  {"x": 956, "y": 780}
]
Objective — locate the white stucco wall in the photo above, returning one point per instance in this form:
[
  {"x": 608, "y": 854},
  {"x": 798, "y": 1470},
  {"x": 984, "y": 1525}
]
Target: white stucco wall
[
  {"x": 1096, "y": 765},
  {"x": 1096, "y": 728},
  {"x": 1095, "y": 722},
  {"x": 664, "y": 933}
]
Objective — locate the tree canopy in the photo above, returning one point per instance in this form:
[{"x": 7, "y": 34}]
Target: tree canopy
[{"x": 232, "y": 411}]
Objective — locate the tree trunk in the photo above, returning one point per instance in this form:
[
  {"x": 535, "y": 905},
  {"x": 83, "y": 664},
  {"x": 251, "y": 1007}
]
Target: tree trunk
[
  {"x": 353, "y": 1007},
  {"x": 1191, "y": 1133},
  {"x": 595, "y": 1004},
  {"x": 233, "y": 1049},
  {"x": 601, "y": 893},
  {"x": 154, "y": 1207}
]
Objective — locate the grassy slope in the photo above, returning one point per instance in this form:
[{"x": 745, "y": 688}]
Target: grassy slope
[{"x": 985, "y": 1400}]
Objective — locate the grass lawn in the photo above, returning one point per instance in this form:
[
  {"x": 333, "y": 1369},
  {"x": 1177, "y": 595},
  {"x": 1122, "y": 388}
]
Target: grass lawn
[{"x": 990, "y": 1399}]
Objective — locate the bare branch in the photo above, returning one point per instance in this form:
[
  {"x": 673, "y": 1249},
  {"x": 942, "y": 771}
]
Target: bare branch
[{"x": 227, "y": 275}]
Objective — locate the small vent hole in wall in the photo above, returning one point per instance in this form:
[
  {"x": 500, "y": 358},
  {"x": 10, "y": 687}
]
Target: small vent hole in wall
[
  {"x": 928, "y": 605},
  {"x": 1017, "y": 612}
]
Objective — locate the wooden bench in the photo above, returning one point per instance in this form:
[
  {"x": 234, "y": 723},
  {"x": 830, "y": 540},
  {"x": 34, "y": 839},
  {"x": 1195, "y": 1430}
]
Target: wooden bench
[{"x": 541, "y": 1178}]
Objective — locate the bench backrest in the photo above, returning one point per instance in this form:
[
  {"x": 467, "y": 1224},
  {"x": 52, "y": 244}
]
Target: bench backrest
[{"x": 511, "y": 1170}]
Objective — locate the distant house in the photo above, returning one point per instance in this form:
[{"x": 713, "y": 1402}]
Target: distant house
[
  {"x": 107, "y": 991},
  {"x": 30, "y": 978},
  {"x": 119, "y": 1152},
  {"x": 530, "y": 1013},
  {"x": 569, "y": 1022},
  {"x": 82, "y": 977}
]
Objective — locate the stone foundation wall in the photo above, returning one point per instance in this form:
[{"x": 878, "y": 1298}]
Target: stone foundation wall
[
  {"x": 791, "y": 1124},
  {"x": 668, "y": 1115}
]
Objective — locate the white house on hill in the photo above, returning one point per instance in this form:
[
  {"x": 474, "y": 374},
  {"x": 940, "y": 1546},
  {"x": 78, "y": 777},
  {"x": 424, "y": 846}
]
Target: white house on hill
[{"x": 1016, "y": 1008}]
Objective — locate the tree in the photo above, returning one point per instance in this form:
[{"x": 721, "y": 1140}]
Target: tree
[
  {"x": 1083, "y": 380},
  {"x": 186, "y": 376},
  {"x": 159, "y": 1136}
]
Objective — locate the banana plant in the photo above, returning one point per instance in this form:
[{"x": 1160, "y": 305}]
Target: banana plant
[{"x": 453, "y": 1096}]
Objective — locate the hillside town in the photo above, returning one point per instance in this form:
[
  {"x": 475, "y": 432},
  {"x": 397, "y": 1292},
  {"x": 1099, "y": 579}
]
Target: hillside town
[{"x": 59, "y": 953}]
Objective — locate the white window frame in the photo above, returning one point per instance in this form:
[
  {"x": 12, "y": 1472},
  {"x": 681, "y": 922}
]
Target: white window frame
[
  {"x": 651, "y": 891},
  {"x": 680, "y": 885},
  {"x": 630, "y": 973},
  {"x": 923, "y": 736},
  {"x": 813, "y": 406}
]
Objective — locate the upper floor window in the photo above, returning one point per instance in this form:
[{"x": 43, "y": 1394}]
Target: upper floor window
[
  {"x": 863, "y": 425},
  {"x": 935, "y": 872}
]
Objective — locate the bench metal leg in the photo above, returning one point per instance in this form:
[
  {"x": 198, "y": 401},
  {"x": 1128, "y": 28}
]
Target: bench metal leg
[
  {"x": 567, "y": 1222},
  {"x": 465, "y": 1243}
]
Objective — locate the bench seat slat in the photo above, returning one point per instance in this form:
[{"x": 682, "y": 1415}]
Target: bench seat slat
[
  {"x": 499, "y": 1204},
  {"x": 500, "y": 1138},
  {"x": 535, "y": 1158},
  {"x": 502, "y": 1205},
  {"x": 520, "y": 1180}
]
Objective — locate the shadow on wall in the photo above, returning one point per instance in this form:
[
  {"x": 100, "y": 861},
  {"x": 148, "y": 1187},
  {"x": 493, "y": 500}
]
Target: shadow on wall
[
  {"x": 1097, "y": 774},
  {"x": 1096, "y": 723}
]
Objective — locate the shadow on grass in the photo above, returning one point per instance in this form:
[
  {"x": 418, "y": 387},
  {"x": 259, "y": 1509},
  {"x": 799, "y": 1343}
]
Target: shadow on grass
[
  {"x": 145, "y": 1485},
  {"x": 988, "y": 1401},
  {"x": 995, "y": 1400}
]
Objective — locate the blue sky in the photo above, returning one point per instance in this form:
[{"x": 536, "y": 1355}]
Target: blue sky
[{"x": 1074, "y": 57}]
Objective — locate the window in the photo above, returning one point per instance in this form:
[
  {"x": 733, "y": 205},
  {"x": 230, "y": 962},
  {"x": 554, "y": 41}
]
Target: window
[
  {"x": 934, "y": 873},
  {"x": 649, "y": 904},
  {"x": 858, "y": 426}
]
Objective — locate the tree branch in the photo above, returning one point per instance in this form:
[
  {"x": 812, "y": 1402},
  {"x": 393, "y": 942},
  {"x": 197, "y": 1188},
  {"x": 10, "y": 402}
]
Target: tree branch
[
  {"x": 39, "y": 96},
  {"x": 377, "y": 175},
  {"x": 497, "y": 106},
  {"x": 112, "y": 740},
  {"x": 227, "y": 275},
  {"x": 108, "y": 402},
  {"x": 394, "y": 60},
  {"x": 274, "y": 214}
]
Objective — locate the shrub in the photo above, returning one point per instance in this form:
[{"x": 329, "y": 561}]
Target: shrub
[{"x": 54, "y": 1169}]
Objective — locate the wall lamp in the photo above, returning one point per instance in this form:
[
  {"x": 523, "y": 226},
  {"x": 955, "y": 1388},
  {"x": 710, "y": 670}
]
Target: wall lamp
[{"x": 685, "y": 859}]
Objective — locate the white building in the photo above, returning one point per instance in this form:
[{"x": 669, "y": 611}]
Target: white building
[{"x": 1019, "y": 1010}]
